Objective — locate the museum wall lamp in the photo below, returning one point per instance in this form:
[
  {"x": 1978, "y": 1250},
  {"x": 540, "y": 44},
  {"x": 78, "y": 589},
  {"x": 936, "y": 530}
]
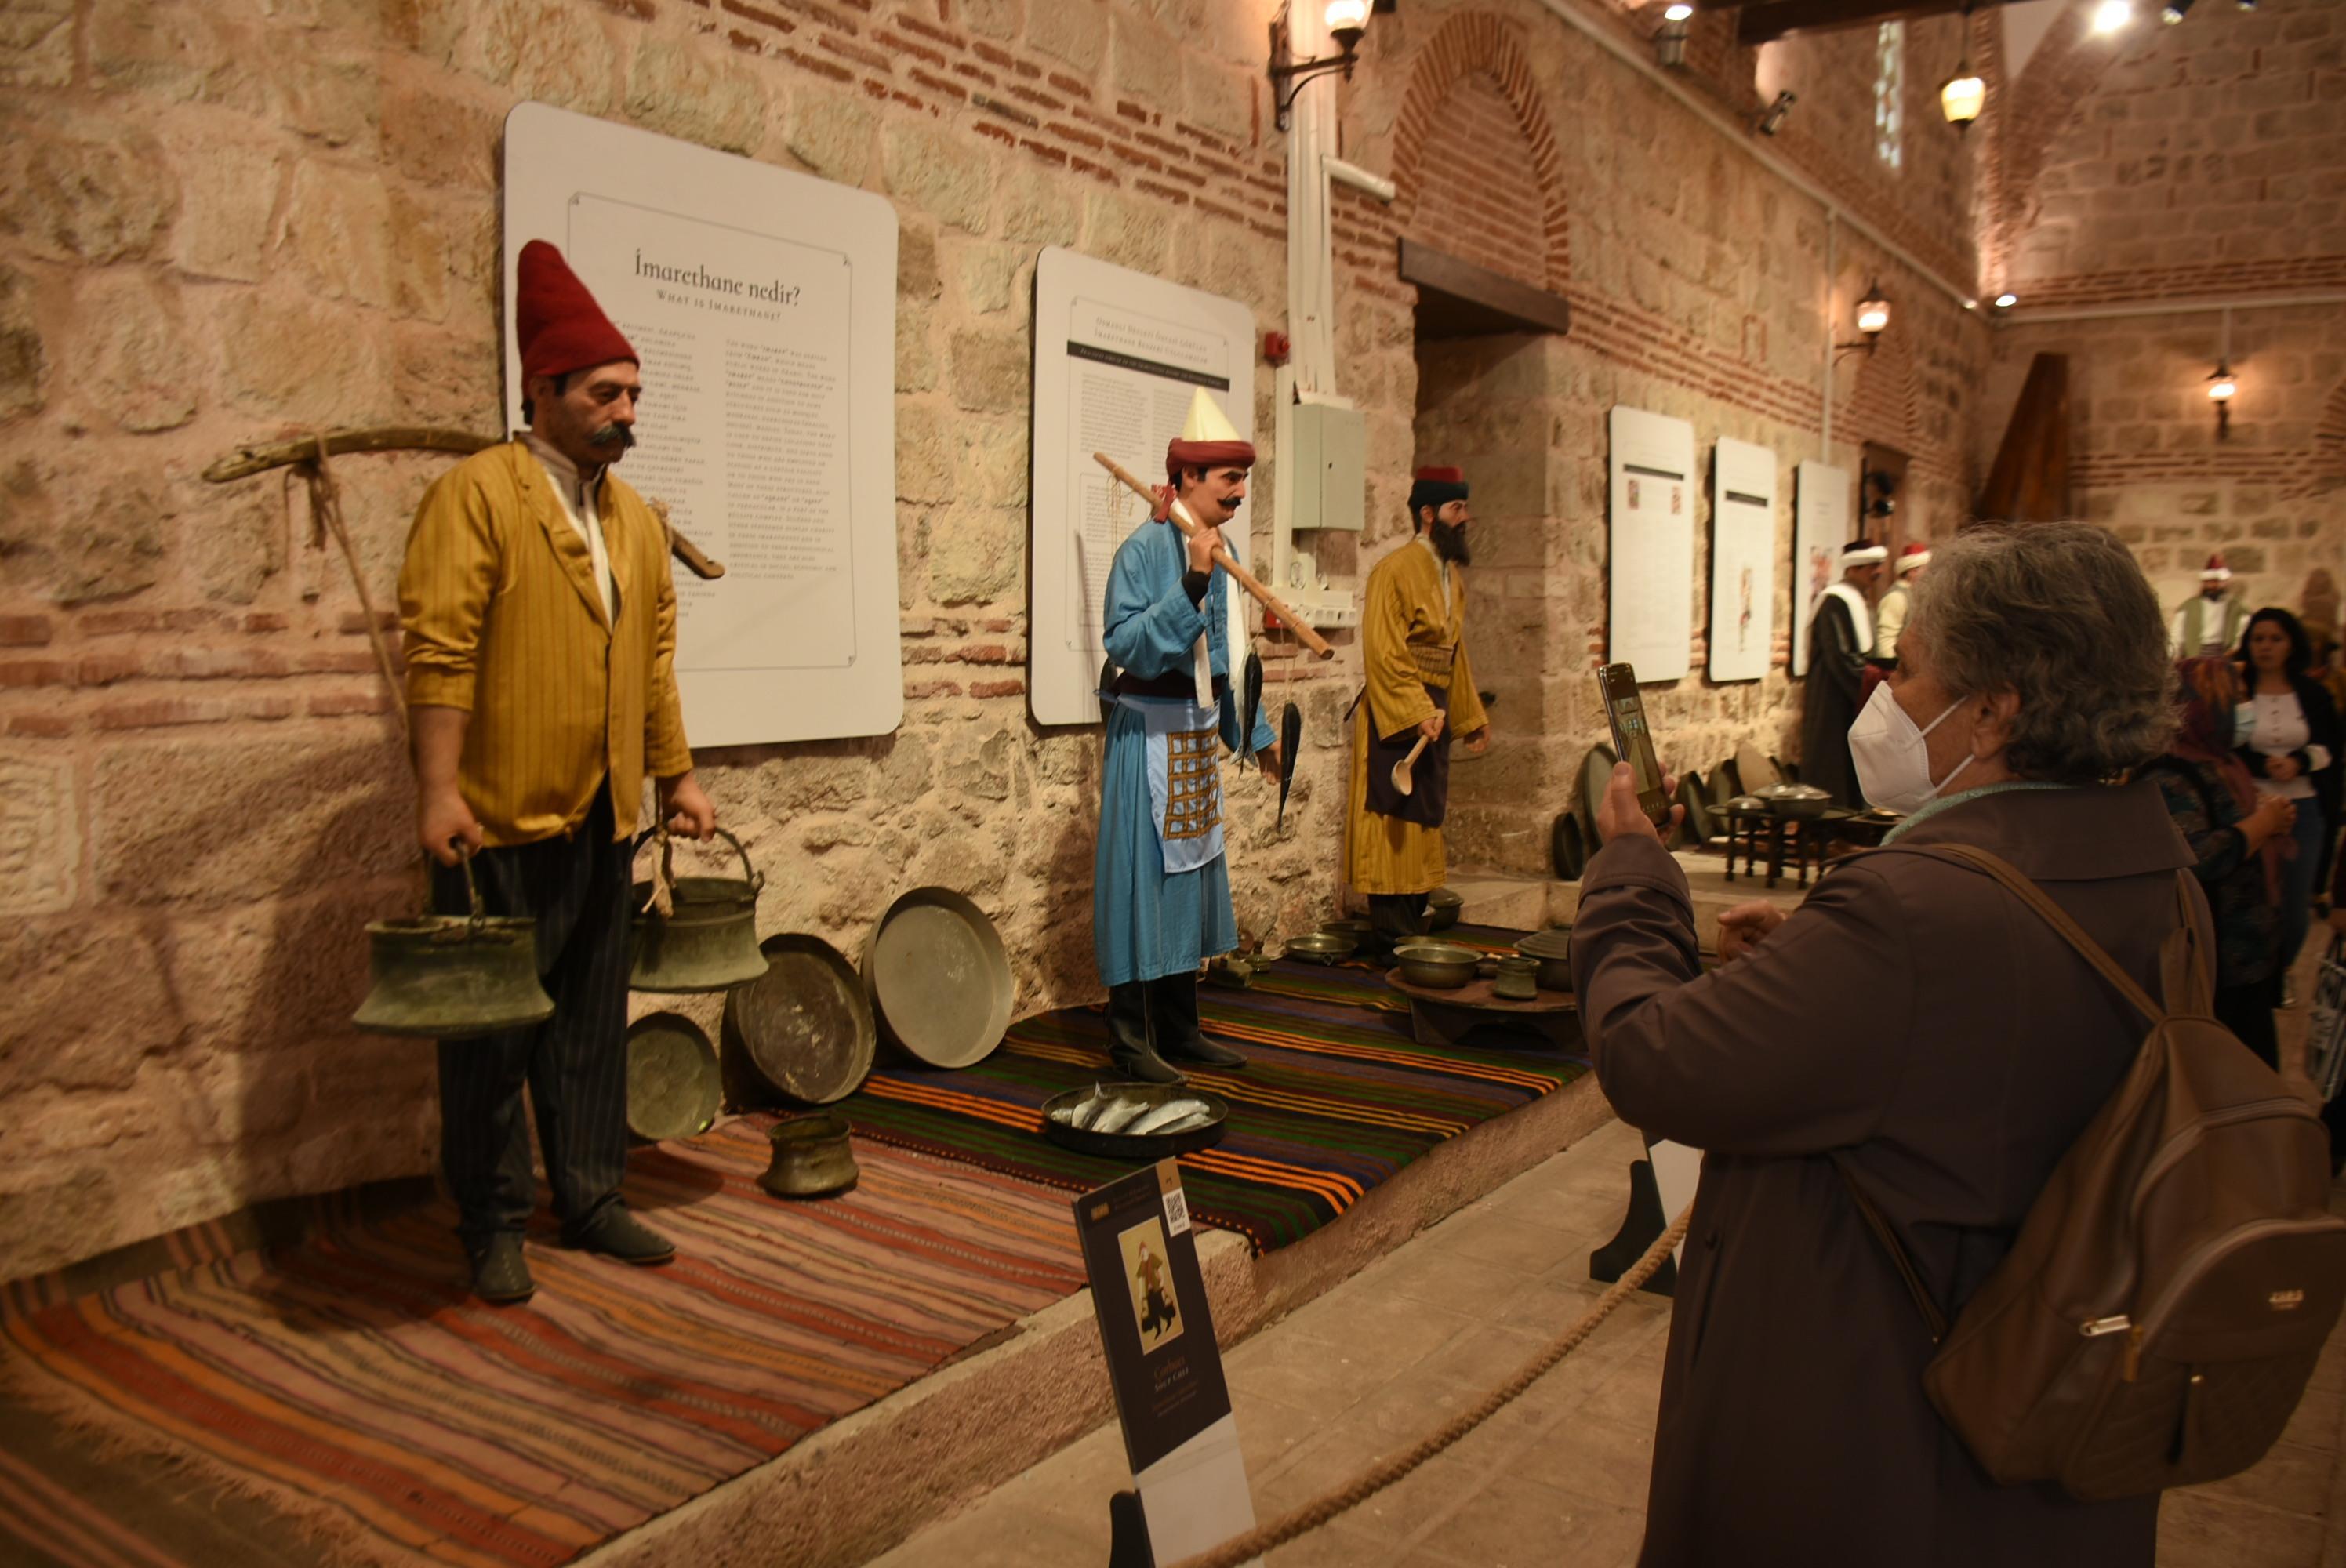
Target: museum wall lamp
[
  {"x": 2221, "y": 386},
  {"x": 1872, "y": 321},
  {"x": 1771, "y": 119},
  {"x": 1347, "y": 21},
  {"x": 1670, "y": 39}
]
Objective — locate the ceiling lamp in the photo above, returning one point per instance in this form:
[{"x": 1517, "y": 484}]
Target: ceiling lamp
[
  {"x": 2173, "y": 11},
  {"x": 2112, "y": 15},
  {"x": 2006, "y": 300},
  {"x": 1963, "y": 95},
  {"x": 1346, "y": 20}
]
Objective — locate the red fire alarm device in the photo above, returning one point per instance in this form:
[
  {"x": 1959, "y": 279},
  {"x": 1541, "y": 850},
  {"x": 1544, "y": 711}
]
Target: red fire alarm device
[{"x": 1275, "y": 347}]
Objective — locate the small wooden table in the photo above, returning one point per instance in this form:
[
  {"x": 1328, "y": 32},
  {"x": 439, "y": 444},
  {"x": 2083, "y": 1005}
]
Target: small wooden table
[{"x": 1470, "y": 1015}]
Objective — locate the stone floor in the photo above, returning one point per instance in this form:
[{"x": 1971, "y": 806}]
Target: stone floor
[{"x": 1560, "y": 1475}]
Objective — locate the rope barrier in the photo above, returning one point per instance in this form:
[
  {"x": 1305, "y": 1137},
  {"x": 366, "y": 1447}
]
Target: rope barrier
[{"x": 1386, "y": 1472}]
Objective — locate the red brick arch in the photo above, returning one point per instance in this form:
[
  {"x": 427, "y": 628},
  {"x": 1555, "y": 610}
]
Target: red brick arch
[{"x": 1480, "y": 44}]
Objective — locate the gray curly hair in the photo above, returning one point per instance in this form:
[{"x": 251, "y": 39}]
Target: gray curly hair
[{"x": 2059, "y": 614}]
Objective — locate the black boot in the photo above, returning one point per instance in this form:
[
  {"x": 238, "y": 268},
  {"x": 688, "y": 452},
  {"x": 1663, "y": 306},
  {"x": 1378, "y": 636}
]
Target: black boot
[
  {"x": 1128, "y": 1036},
  {"x": 1173, "y": 1013}
]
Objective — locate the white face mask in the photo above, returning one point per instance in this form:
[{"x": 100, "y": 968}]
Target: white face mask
[{"x": 1893, "y": 766}]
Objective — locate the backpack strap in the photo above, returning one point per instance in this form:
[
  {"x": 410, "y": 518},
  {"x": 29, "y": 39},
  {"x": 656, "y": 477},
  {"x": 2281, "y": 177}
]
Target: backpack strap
[
  {"x": 2022, "y": 888},
  {"x": 2183, "y": 977}
]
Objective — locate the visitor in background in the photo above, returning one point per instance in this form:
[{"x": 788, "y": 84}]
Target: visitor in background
[
  {"x": 2237, "y": 834},
  {"x": 1911, "y": 1029},
  {"x": 2318, "y": 608},
  {"x": 2289, "y": 738}
]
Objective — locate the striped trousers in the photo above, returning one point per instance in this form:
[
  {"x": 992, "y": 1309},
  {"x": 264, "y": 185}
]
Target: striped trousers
[{"x": 574, "y": 1064}]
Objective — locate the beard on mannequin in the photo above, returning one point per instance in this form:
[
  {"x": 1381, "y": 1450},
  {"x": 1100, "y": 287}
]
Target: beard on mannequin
[{"x": 1450, "y": 543}]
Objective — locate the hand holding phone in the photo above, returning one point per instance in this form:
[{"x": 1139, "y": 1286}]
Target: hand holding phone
[{"x": 1633, "y": 743}]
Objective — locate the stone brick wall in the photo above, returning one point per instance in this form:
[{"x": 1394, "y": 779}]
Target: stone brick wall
[
  {"x": 222, "y": 220},
  {"x": 1699, "y": 287},
  {"x": 2167, "y": 169},
  {"x": 2204, "y": 158}
]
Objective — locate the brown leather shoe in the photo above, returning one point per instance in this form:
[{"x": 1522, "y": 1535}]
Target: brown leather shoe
[
  {"x": 500, "y": 1273},
  {"x": 618, "y": 1234}
]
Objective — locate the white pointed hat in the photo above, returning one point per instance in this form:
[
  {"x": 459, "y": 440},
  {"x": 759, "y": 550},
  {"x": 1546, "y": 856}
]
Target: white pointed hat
[{"x": 1207, "y": 440}]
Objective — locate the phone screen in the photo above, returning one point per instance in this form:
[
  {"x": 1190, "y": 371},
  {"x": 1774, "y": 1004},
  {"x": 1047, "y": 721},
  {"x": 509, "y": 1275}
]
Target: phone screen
[{"x": 1632, "y": 741}]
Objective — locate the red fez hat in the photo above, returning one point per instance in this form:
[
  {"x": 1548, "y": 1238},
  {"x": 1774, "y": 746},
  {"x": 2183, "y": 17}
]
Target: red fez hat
[
  {"x": 560, "y": 326},
  {"x": 1440, "y": 475}
]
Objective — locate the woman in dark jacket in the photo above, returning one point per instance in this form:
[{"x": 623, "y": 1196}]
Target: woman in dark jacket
[
  {"x": 2288, "y": 739},
  {"x": 2237, "y": 834},
  {"x": 1911, "y": 1029}
]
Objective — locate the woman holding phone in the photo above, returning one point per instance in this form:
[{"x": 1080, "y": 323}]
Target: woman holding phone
[{"x": 1911, "y": 1031}]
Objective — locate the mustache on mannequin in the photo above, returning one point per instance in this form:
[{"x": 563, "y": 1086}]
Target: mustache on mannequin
[{"x": 613, "y": 436}]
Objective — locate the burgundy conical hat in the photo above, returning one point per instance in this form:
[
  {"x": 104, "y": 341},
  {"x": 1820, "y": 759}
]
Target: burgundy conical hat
[{"x": 560, "y": 326}]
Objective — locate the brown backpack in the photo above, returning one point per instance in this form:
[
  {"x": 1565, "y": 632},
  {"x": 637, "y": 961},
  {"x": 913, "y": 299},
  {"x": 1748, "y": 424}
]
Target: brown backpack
[{"x": 2171, "y": 1288}]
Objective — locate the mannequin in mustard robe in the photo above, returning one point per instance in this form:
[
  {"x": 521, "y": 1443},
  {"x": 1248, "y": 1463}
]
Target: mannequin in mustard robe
[{"x": 1418, "y": 682}]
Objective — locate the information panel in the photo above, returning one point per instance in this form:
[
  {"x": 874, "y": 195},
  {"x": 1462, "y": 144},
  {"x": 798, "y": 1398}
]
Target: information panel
[
  {"x": 1819, "y": 529},
  {"x": 1653, "y": 544},
  {"x": 1118, "y": 355},
  {"x": 763, "y": 304},
  {"x": 1742, "y": 560}
]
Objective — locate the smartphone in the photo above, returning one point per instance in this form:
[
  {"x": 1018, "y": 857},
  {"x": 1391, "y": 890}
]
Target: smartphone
[{"x": 1625, "y": 710}]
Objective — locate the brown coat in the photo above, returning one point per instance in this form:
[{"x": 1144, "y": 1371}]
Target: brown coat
[{"x": 1914, "y": 1020}]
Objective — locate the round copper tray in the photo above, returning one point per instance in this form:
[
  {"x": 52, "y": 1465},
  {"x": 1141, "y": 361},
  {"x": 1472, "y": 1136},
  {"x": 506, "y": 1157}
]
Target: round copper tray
[
  {"x": 939, "y": 978},
  {"x": 1138, "y": 1146},
  {"x": 672, "y": 1084},
  {"x": 1478, "y": 996},
  {"x": 803, "y": 1029}
]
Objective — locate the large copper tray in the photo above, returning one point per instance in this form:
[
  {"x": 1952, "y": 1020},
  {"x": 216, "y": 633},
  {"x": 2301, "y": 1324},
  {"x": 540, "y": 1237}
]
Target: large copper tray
[
  {"x": 802, "y": 1030},
  {"x": 672, "y": 1083},
  {"x": 939, "y": 979}
]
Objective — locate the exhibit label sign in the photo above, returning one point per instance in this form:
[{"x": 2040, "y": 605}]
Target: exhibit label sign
[
  {"x": 1119, "y": 355},
  {"x": 1742, "y": 560},
  {"x": 1158, "y": 1331},
  {"x": 1652, "y": 580},
  {"x": 1819, "y": 529},
  {"x": 763, "y": 304}
]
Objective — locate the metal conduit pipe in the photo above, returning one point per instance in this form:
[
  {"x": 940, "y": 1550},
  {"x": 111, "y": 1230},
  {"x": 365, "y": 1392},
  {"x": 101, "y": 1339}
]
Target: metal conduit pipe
[{"x": 1600, "y": 32}]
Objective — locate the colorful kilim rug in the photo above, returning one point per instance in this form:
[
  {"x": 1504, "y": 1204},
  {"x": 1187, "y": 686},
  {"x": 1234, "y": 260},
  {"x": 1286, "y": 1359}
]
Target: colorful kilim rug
[
  {"x": 1336, "y": 1097},
  {"x": 352, "y": 1383}
]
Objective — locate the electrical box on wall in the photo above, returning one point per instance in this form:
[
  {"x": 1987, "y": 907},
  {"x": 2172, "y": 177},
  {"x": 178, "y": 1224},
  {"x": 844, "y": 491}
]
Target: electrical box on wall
[{"x": 1332, "y": 449}]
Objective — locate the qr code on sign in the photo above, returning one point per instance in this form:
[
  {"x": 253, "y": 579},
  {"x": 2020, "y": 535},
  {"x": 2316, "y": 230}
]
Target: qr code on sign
[{"x": 1177, "y": 1212}]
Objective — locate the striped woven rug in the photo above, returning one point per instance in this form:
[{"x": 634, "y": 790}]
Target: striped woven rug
[
  {"x": 1335, "y": 1098},
  {"x": 351, "y": 1383}
]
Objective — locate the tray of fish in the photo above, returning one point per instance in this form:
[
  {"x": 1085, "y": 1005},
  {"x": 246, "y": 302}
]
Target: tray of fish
[{"x": 1136, "y": 1121}]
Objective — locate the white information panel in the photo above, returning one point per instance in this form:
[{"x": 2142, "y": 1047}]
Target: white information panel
[
  {"x": 1653, "y": 543},
  {"x": 1819, "y": 528},
  {"x": 1742, "y": 560},
  {"x": 764, "y": 305},
  {"x": 1118, "y": 355}
]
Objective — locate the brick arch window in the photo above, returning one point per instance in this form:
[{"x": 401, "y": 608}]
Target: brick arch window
[
  {"x": 1890, "y": 93},
  {"x": 1475, "y": 155}
]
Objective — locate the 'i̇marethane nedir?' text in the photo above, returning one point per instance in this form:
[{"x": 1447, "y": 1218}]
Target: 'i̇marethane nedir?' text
[{"x": 698, "y": 277}]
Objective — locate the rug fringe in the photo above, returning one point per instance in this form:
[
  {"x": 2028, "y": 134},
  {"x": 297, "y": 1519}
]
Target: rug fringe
[{"x": 345, "y": 1541}]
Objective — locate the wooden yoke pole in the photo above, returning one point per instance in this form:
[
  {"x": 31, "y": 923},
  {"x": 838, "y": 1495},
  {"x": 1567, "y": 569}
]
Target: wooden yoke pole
[{"x": 1288, "y": 618}]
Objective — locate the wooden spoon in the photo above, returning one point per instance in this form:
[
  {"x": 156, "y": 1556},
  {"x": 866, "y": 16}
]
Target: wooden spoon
[{"x": 1401, "y": 782}]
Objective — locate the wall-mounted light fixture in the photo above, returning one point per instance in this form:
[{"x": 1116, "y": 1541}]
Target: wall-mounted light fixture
[
  {"x": 2173, "y": 11},
  {"x": 1872, "y": 319},
  {"x": 2220, "y": 388},
  {"x": 1346, "y": 20},
  {"x": 1670, "y": 38},
  {"x": 2006, "y": 300},
  {"x": 1771, "y": 119}
]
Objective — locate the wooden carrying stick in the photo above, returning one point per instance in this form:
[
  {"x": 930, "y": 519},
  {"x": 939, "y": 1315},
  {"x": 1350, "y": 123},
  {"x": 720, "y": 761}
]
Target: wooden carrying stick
[
  {"x": 1229, "y": 563},
  {"x": 247, "y": 460}
]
